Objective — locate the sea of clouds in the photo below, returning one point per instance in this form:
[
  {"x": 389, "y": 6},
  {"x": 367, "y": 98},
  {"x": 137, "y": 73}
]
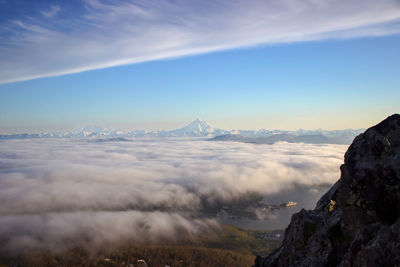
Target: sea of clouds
[{"x": 58, "y": 193}]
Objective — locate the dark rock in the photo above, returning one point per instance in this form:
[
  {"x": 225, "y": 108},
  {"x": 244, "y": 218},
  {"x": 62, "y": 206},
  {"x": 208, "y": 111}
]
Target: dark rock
[{"x": 363, "y": 229}]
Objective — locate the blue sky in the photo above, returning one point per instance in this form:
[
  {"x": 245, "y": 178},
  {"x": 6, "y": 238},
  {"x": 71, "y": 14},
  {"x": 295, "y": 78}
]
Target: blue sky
[{"x": 160, "y": 64}]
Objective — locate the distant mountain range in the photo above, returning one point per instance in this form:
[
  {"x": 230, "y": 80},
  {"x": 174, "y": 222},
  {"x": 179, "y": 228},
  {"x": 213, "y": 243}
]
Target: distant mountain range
[
  {"x": 200, "y": 128},
  {"x": 345, "y": 137}
]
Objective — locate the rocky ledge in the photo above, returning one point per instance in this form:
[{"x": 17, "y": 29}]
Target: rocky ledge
[{"x": 357, "y": 222}]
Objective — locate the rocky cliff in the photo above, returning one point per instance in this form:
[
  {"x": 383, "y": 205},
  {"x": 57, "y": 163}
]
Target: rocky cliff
[{"x": 357, "y": 222}]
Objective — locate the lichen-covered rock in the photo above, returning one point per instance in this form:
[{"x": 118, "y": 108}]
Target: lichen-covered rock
[{"x": 362, "y": 225}]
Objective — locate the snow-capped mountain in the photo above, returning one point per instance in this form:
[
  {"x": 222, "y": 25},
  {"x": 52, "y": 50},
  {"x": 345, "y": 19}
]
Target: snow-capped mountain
[
  {"x": 197, "y": 128},
  {"x": 90, "y": 131}
]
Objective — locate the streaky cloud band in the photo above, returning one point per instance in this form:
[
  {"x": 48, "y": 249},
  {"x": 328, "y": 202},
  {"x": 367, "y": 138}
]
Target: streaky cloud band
[{"x": 113, "y": 33}]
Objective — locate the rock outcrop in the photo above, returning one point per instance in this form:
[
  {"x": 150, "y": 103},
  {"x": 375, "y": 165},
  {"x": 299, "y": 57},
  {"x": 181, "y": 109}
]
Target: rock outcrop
[{"x": 357, "y": 222}]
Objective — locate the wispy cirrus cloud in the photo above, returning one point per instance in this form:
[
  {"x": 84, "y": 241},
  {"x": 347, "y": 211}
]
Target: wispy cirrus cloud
[
  {"x": 111, "y": 33},
  {"x": 51, "y": 12}
]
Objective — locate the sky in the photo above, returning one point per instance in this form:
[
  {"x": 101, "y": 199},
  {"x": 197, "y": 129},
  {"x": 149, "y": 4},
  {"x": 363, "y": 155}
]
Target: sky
[{"x": 160, "y": 64}]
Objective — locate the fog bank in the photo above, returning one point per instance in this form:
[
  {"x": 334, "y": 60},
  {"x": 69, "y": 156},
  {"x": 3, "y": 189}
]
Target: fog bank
[{"x": 56, "y": 193}]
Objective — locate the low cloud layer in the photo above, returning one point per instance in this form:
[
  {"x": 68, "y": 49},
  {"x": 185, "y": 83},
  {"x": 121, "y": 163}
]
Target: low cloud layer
[
  {"x": 54, "y": 190},
  {"x": 97, "y": 34},
  {"x": 91, "y": 230}
]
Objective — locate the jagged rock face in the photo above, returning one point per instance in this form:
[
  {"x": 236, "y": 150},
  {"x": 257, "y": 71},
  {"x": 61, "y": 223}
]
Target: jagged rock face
[{"x": 363, "y": 228}]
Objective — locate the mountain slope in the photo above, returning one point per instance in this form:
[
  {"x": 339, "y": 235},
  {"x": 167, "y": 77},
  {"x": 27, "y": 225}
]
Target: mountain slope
[{"x": 357, "y": 222}]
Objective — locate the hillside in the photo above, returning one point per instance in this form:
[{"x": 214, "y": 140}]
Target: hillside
[{"x": 222, "y": 246}]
